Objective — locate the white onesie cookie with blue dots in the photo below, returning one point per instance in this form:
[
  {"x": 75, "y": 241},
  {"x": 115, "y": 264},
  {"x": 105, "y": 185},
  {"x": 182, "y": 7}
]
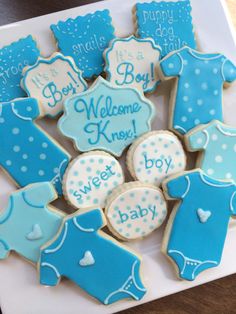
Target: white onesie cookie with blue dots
[
  {"x": 154, "y": 156},
  {"x": 90, "y": 178},
  {"x": 134, "y": 210}
]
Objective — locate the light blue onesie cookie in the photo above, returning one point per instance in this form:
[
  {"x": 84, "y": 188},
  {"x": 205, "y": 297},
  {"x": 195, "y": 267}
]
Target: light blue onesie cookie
[
  {"x": 197, "y": 96},
  {"x": 197, "y": 230},
  {"x": 27, "y": 153},
  {"x": 28, "y": 222},
  {"x": 93, "y": 260}
]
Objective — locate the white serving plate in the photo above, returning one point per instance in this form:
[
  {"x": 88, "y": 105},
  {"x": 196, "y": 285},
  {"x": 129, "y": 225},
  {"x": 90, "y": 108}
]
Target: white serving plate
[{"x": 20, "y": 292}]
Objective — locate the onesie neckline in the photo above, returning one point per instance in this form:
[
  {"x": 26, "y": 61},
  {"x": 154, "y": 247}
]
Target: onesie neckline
[{"x": 202, "y": 56}]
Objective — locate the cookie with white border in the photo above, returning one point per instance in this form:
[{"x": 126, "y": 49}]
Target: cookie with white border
[
  {"x": 90, "y": 178},
  {"x": 51, "y": 80},
  {"x": 154, "y": 156},
  {"x": 134, "y": 210},
  {"x": 131, "y": 62}
]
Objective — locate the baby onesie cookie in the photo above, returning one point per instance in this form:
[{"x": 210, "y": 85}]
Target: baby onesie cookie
[
  {"x": 132, "y": 62},
  {"x": 27, "y": 153},
  {"x": 95, "y": 261},
  {"x": 154, "y": 156},
  {"x": 169, "y": 24},
  {"x": 84, "y": 39},
  {"x": 106, "y": 117},
  {"x": 197, "y": 95},
  {"x": 134, "y": 210},
  {"x": 217, "y": 145},
  {"x": 51, "y": 81},
  {"x": 29, "y": 222},
  {"x": 196, "y": 231},
  {"x": 90, "y": 178},
  {"x": 13, "y": 58}
]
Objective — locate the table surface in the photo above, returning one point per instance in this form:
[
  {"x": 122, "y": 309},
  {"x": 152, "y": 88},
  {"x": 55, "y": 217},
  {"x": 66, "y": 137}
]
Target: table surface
[{"x": 215, "y": 297}]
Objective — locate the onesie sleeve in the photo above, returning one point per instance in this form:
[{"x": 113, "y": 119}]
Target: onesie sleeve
[
  {"x": 4, "y": 250},
  {"x": 233, "y": 203},
  {"x": 49, "y": 275},
  {"x": 171, "y": 65},
  {"x": 39, "y": 194},
  {"x": 27, "y": 110},
  {"x": 92, "y": 220},
  {"x": 228, "y": 71},
  {"x": 177, "y": 187},
  {"x": 197, "y": 138}
]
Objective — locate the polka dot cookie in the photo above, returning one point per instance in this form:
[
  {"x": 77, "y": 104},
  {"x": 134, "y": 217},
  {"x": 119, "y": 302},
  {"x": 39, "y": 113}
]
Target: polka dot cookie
[
  {"x": 155, "y": 156},
  {"x": 90, "y": 178},
  {"x": 134, "y": 210}
]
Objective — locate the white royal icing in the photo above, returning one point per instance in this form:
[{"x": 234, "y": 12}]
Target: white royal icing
[{"x": 90, "y": 178}]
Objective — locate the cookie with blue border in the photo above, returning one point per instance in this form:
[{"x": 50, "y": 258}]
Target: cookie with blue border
[{"x": 84, "y": 39}]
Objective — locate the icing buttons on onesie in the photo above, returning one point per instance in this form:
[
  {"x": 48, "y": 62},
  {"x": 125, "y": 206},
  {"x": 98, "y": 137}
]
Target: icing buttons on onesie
[
  {"x": 28, "y": 154},
  {"x": 168, "y": 23},
  {"x": 51, "y": 81},
  {"x": 13, "y": 58},
  {"x": 134, "y": 210},
  {"x": 199, "y": 79},
  {"x": 106, "y": 117},
  {"x": 217, "y": 145},
  {"x": 84, "y": 39},
  {"x": 132, "y": 62},
  {"x": 154, "y": 156},
  {"x": 28, "y": 222},
  {"x": 196, "y": 230},
  {"x": 90, "y": 178},
  {"x": 104, "y": 268}
]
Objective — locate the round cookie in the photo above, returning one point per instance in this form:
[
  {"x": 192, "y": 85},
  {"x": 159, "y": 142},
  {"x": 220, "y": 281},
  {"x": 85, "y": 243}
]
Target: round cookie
[
  {"x": 134, "y": 210},
  {"x": 155, "y": 156},
  {"x": 90, "y": 178}
]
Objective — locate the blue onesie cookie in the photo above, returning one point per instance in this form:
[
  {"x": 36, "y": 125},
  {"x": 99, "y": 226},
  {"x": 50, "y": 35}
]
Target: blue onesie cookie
[
  {"x": 13, "y": 59},
  {"x": 196, "y": 231},
  {"x": 197, "y": 94},
  {"x": 27, "y": 153},
  {"x": 29, "y": 222},
  {"x": 93, "y": 260},
  {"x": 84, "y": 39},
  {"x": 169, "y": 24}
]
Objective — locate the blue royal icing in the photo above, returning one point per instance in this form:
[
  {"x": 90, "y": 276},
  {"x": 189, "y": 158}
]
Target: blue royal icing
[
  {"x": 106, "y": 117},
  {"x": 28, "y": 154},
  {"x": 13, "y": 59},
  {"x": 84, "y": 39},
  {"x": 197, "y": 230},
  {"x": 51, "y": 81},
  {"x": 28, "y": 222},
  {"x": 96, "y": 262},
  {"x": 169, "y": 24},
  {"x": 217, "y": 143},
  {"x": 131, "y": 62},
  {"x": 197, "y": 96}
]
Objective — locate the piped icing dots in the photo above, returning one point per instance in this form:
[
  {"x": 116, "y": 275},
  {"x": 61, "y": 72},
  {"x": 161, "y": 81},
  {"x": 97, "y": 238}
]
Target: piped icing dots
[
  {"x": 134, "y": 210},
  {"x": 155, "y": 156},
  {"x": 90, "y": 178}
]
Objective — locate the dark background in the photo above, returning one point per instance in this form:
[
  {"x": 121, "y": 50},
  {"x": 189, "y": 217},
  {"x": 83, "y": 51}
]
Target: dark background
[{"x": 218, "y": 297}]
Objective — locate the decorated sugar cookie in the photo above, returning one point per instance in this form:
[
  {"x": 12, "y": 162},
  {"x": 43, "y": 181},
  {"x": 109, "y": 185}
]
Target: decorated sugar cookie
[
  {"x": 217, "y": 145},
  {"x": 134, "y": 210},
  {"x": 106, "y": 117},
  {"x": 168, "y": 23},
  {"x": 13, "y": 59},
  {"x": 154, "y": 156},
  {"x": 29, "y": 222},
  {"x": 84, "y": 39},
  {"x": 90, "y": 178},
  {"x": 96, "y": 262},
  {"x": 27, "y": 153},
  {"x": 196, "y": 231},
  {"x": 132, "y": 62},
  {"x": 197, "y": 95},
  {"x": 51, "y": 81}
]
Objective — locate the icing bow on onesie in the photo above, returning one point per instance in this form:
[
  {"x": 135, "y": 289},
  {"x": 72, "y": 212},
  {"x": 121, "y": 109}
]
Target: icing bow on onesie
[{"x": 94, "y": 261}]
